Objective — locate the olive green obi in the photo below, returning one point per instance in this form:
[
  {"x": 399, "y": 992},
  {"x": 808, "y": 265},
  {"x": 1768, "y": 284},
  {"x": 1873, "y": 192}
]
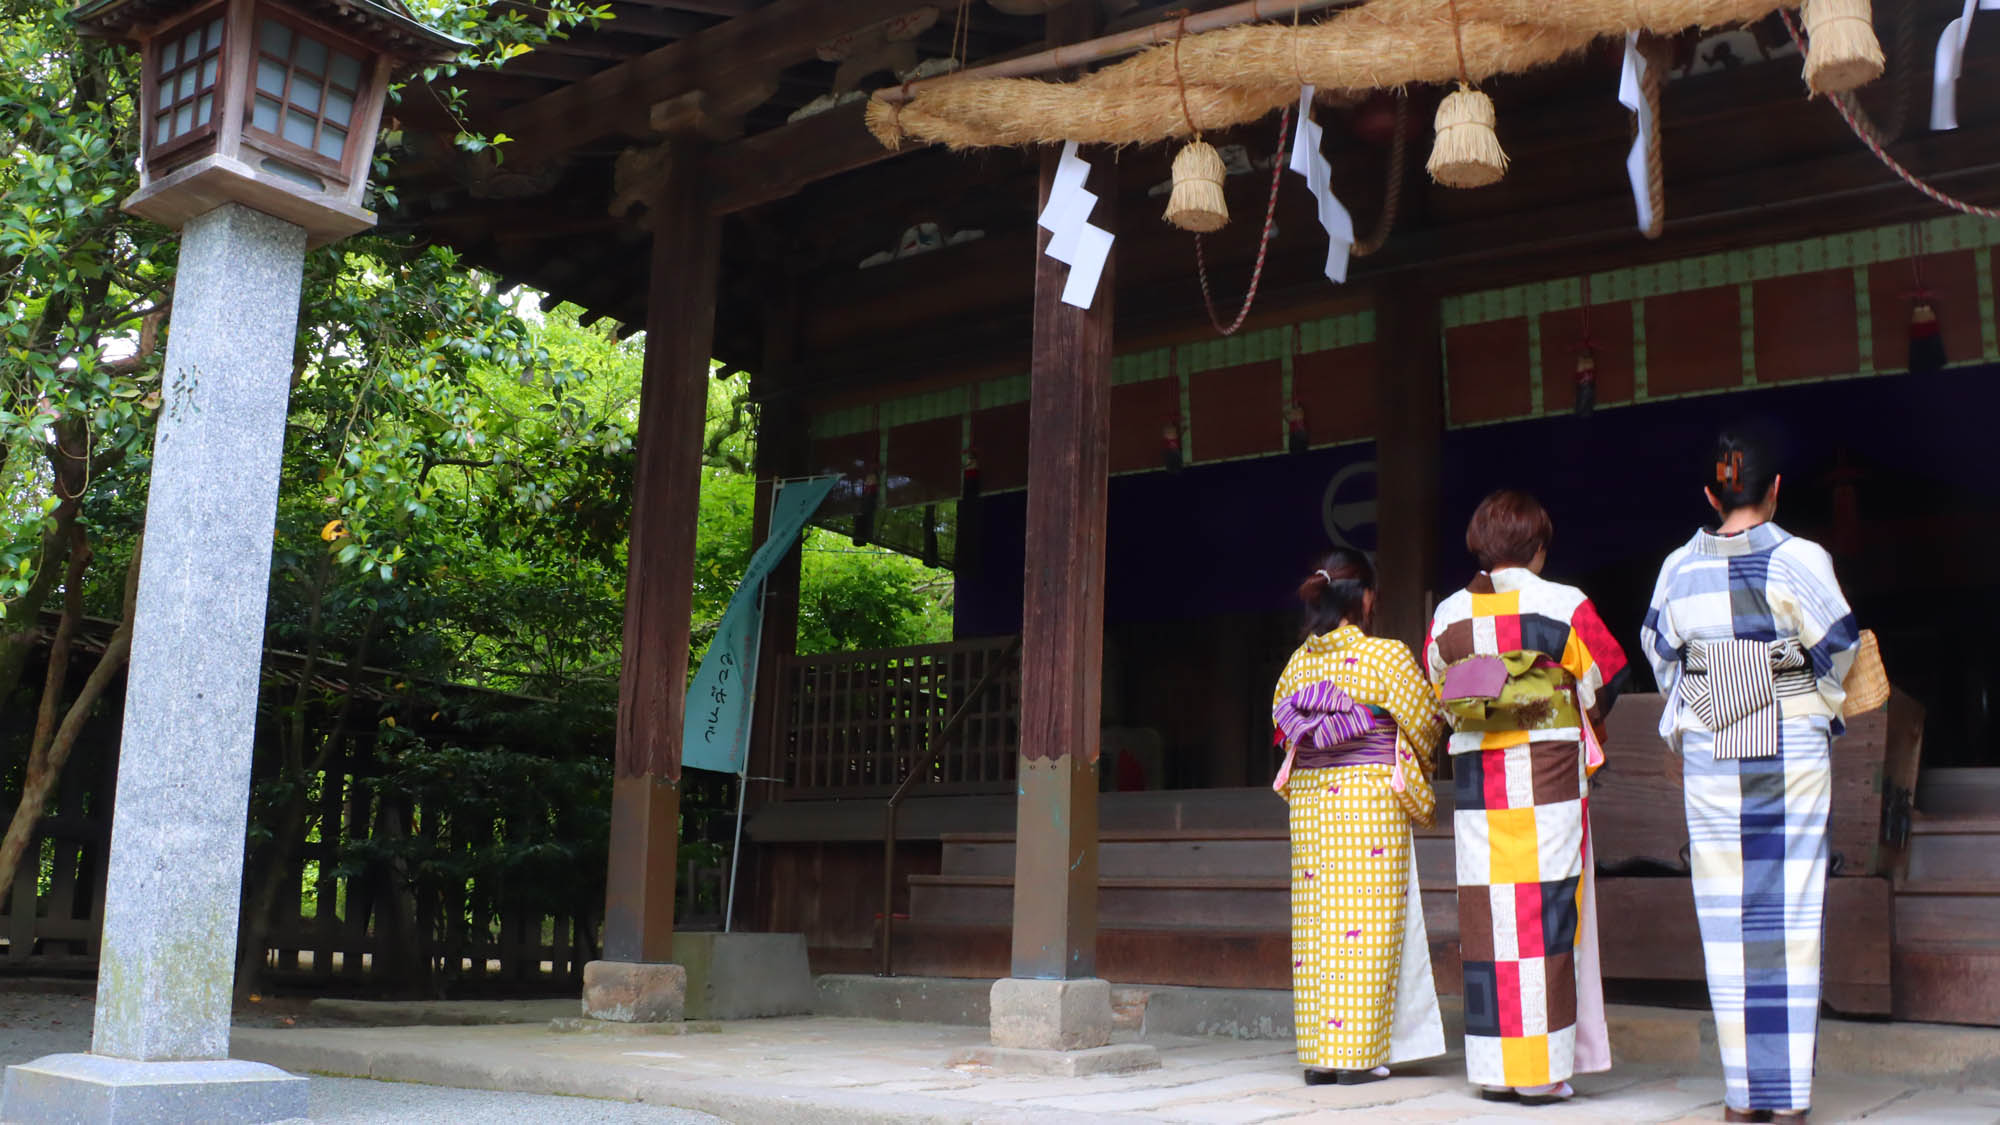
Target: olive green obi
[{"x": 1537, "y": 695}]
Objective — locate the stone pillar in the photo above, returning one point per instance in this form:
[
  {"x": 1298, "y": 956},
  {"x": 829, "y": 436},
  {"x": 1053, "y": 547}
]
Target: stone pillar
[{"x": 160, "y": 1047}]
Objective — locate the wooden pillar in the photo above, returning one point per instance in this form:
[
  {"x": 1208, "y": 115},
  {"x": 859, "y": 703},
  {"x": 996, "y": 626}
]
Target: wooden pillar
[
  {"x": 782, "y": 449},
  {"x": 1410, "y": 404},
  {"x": 659, "y": 580},
  {"x": 1062, "y": 620}
]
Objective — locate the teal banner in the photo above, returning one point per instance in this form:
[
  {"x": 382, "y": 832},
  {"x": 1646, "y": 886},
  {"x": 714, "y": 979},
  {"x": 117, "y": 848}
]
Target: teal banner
[{"x": 717, "y": 733}]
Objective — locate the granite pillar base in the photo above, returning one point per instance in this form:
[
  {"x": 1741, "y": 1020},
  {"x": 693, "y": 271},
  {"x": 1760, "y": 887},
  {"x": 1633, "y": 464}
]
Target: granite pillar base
[{"x": 101, "y": 1090}]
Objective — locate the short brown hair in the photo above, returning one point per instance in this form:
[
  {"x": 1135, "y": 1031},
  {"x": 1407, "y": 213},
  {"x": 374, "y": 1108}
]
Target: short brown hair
[{"x": 1508, "y": 529}]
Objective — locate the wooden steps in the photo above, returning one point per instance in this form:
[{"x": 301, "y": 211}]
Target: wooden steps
[
  {"x": 1946, "y": 961},
  {"x": 1213, "y": 906}
]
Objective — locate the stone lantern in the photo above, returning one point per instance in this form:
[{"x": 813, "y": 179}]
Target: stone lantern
[
  {"x": 258, "y": 123},
  {"x": 271, "y": 105}
]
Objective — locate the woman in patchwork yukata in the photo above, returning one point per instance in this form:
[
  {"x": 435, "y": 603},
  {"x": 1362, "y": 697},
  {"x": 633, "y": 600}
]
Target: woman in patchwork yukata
[
  {"x": 1359, "y": 725},
  {"x": 1751, "y": 640},
  {"x": 1525, "y": 672}
]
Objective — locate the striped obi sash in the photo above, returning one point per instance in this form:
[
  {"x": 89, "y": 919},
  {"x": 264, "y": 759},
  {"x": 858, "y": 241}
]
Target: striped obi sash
[
  {"x": 1733, "y": 688},
  {"x": 1321, "y": 727},
  {"x": 1375, "y": 748}
]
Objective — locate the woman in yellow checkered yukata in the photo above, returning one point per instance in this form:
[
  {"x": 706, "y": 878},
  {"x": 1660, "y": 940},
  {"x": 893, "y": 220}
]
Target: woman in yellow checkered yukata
[
  {"x": 1525, "y": 671},
  {"x": 1359, "y": 724}
]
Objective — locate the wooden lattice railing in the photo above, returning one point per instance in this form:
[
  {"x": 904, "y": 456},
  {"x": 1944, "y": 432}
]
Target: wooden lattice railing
[{"x": 853, "y": 723}]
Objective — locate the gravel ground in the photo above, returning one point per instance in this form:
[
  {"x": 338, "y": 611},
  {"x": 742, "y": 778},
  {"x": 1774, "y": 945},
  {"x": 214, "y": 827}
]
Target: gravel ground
[{"x": 33, "y": 1024}]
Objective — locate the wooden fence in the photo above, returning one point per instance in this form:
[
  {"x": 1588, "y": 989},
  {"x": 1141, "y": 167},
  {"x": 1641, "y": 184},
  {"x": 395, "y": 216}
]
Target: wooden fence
[{"x": 853, "y": 724}]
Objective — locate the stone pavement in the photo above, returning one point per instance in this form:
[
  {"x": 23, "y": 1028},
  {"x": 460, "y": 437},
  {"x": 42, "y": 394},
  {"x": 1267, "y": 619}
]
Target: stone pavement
[{"x": 820, "y": 1069}]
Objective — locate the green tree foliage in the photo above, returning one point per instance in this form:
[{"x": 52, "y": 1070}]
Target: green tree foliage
[{"x": 452, "y": 515}]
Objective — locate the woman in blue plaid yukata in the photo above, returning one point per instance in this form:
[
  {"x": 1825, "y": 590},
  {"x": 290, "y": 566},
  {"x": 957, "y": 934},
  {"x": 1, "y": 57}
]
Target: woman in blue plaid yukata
[{"x": 1751, "y": 640}]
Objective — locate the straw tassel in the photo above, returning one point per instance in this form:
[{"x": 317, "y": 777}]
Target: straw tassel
[
  {"x": 1467, "y": 152},
  {"x": 1842, "y": 51},
  {"x": 1196, "y": 203}
]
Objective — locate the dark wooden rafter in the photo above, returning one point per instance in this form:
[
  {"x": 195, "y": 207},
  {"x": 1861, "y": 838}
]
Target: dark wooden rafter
[{"x": 748, "y": 49}]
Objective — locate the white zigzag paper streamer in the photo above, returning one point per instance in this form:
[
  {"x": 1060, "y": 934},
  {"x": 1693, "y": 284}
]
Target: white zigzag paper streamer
[
  {"x": 1308, "y": 161},
  {"x": 1950, "y": 63},
  {"x": 1638, "y": 165},
  {"x": 1073, "y": 241}
]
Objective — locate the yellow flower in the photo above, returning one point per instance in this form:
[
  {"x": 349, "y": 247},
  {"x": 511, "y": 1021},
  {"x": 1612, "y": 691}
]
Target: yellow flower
[{"x": 334, "y": 529}]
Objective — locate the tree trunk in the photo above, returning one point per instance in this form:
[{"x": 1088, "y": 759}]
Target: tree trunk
[{"x": 51, "y": 752}]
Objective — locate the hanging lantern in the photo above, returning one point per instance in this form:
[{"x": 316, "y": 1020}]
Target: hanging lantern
[
  {"x": 1170, "y": 452},
  {"x": 1196, "y": 203},
  {"x": 1586, "y": 381},
  {"x": 864, "y": 516},
  {"x": 1926, "y": 338},
  {"x": 1467, "y": 152},
  {"x": 1297, "y": 439},
  {"x": 1842, "y": 52}
]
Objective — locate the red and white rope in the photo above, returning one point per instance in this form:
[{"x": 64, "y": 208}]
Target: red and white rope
[
  {"x": 1852, "y": 113},
  {"x": 1263, "y": 243}
]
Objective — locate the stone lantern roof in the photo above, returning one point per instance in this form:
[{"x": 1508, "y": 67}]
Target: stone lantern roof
[{"x": 385, "y": 24}]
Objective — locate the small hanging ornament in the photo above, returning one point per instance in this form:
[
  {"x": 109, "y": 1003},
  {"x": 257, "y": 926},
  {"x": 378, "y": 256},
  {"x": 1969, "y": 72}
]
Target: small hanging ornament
[
  {"x": 1297, "y": 439},
  {"x": 932, "y": 558},
  {"x": 1467, "y": 152},
  {"x": 864, "y": 516},
  {"x": 1842, "y": 52},
  {"x": 1926, "y": 339},
  {"x": 1196, "y": 203},
  {"x": 1586, "y": 381},
  {"x": 965, "y": 544},
  {"x": 1170, "y": 452},
  {"x": 1586, "y": 362}
]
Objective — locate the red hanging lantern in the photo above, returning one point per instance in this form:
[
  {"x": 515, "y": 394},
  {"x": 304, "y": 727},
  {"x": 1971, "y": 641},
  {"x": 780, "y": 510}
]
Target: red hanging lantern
[
  {"x": 1170, "y": 453},
  {"x": 969, "y": 488},
  {"x": 1298, "y": 439}
]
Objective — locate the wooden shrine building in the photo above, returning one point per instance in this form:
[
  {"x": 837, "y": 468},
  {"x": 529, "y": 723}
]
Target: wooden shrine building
[{"x": 701, "y": 170}]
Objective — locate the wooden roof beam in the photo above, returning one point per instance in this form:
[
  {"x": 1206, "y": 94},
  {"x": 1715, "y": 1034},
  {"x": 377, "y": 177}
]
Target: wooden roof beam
[{"x": 748, "y": 50}]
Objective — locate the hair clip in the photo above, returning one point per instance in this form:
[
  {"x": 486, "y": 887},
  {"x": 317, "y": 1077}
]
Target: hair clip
[
  {"x": 1729, "y": 470},
  {"x": 1325, "y": 575}
]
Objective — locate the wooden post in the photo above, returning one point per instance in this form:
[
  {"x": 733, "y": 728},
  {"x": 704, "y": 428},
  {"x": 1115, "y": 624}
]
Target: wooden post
[
  {"x": 1062, "y": 617},
  {"x": 659, "y": 582},
  {"x": 1409, "y": 386},
  {"x": 782, "y": 441}
]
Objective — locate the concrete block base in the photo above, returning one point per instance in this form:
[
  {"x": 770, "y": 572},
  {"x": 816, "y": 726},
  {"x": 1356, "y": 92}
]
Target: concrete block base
[
  {"x": 1051, "y": 1015},
  {"x": 628, "y": 992},
  {"x": 1118, "y": 1058},
  {"x": 948, "y": 1000},
  {"x": 94, "y": 1089},
  {"x": 745, "y": 976}
]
